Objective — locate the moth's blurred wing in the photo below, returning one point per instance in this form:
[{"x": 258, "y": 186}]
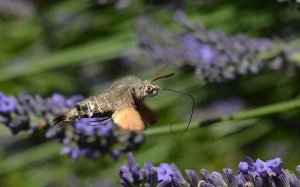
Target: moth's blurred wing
[
  {"x": 147, "y": 113},
  {"x": 128, "y": 118}
]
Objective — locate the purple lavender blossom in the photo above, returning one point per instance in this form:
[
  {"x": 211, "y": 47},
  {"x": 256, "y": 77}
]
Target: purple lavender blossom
[
  {"x": 216, "y": 56},
  {"x": 30, "y": 113},
  {"x": 89, "y": 137},
  {"x": 27, "y": 112},
  {"x": 274, "y": 165},
  {"x": 164, "y": 175},
  {"x": 7, "y": 103},
  {"x": 250, "y": 173},
  {"x": 94, "y": 139},
  {"x": 244, "y": 167}
]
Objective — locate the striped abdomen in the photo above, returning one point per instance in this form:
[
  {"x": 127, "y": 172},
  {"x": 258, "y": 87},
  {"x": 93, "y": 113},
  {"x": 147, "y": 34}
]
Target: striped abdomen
[{"x": 91, "y": 107}]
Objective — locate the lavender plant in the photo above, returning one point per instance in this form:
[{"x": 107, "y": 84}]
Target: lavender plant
[
  {"x": 215, "y": 56},
  {"x": 250, "y": 173},
  {"x": 85, "y": 138}
]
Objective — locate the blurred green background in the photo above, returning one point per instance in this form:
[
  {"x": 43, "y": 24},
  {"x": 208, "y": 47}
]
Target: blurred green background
[{"x": 80, "y": 47}]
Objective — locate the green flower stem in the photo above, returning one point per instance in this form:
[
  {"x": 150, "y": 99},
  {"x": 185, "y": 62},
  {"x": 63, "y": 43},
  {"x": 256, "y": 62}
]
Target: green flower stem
[
  {"x": 244, "y": 115},
  {"x": 269, "y": 55}
]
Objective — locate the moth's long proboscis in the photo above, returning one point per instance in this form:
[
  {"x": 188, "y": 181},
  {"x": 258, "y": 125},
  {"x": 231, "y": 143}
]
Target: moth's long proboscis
[{"x": 193, "y": 107}]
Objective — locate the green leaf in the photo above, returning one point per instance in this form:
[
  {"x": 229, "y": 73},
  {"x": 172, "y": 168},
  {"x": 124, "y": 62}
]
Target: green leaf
[{"x": 100, "y": 50}]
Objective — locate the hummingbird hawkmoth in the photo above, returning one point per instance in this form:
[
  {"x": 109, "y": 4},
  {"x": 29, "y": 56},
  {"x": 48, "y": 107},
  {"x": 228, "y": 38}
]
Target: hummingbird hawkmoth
[{"x": 122, "y": 101}]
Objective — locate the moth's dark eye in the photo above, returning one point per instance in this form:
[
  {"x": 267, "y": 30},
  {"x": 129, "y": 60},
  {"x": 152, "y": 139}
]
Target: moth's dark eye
[{"x": 149, "y": 89}]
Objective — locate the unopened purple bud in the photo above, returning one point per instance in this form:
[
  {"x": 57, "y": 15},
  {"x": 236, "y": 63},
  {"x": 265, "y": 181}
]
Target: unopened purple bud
[
  {"x": 146, "y": 171},
  {"x": 177, "y": 174},
  {"x": 217, "y": 179},
  {"x": 205, "y": 174},
  {"x": 249, "y": 160},
  {"x": 153, "y": 177},
  {"x": 230, "y": 177},
  {"x": 134, "y": 167},
  {"x": 126, "y": 177},
  {"x": 193, "y": 177},
  {"x": 214, "y": 178}
]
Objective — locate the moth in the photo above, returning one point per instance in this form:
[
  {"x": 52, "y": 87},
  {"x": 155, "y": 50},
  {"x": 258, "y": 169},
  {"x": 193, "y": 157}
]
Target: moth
[{"x": 122, "y": 101}]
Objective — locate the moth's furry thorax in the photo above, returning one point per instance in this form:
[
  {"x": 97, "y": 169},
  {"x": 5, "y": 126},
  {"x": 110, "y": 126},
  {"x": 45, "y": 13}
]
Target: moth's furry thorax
[{"x": 141, "y": 88}]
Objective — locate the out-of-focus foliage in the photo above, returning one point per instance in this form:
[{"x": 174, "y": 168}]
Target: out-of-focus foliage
[{"x": 80, "y": 46}]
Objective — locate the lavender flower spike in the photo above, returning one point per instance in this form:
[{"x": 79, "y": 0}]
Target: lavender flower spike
[
  {"x": 250, "y": 174},
  {"x": 84, "y": 137},
  {"x": 215, "y": 56},
  {"x": 163, "y": 175}
]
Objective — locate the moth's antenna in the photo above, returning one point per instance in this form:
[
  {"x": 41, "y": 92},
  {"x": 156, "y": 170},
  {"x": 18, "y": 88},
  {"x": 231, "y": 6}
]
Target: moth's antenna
[
  {"x": 162, "y": 69},
  {"x": 157, "y": 74},
  {"x": 163, "y": 76},
  {"x": 193, "y": 107}
]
